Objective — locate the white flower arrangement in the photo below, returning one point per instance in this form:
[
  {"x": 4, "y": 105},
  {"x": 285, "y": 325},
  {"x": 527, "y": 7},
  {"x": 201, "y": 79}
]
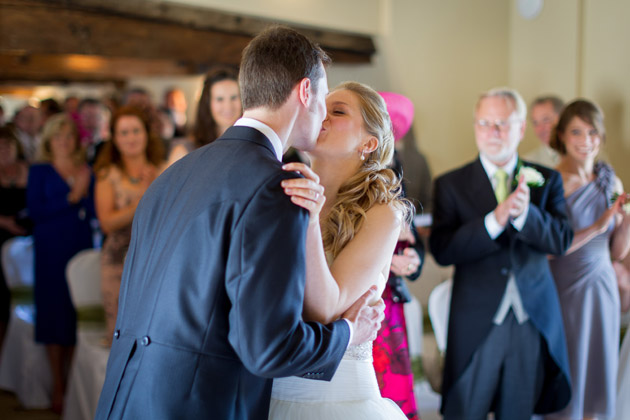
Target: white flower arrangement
[{"x": 533, "y": 178}]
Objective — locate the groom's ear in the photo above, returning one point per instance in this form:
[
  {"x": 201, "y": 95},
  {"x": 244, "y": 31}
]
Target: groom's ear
[{"x": 305, "y": 91}]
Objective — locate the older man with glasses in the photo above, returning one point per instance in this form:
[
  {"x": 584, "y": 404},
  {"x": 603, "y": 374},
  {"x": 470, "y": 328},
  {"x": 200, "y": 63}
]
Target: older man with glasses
[{"x": 496, "y": 219}]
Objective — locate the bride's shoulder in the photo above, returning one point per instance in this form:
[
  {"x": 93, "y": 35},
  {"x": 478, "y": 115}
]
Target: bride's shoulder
[{"x": 385, "y": 215}]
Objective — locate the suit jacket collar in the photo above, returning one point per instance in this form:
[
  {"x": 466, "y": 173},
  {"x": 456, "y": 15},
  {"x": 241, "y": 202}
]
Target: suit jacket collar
[
  {"x": 248, "y": 134},
  {"x": 481, "y": 192},
  {"x": 266, "y": 130}
]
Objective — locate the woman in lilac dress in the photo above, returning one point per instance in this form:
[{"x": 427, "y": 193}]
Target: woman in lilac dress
[{"x": 585, "y": 278}]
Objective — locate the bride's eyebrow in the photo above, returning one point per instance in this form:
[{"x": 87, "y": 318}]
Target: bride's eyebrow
[{"x": 339, "y": 103}]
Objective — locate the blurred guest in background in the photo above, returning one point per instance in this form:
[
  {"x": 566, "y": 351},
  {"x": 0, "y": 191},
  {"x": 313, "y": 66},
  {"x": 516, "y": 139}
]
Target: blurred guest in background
[
  {"x": 59, "y": 198},
  {"x": 92, "y": 124},
  {"x": 218, "y": 109},
  {"x": 392, "y": 362},
  {"x": 176, "y": 106},
  {"x": 13, "y": 177},
  {"x": 28, "y": 122},
  {"x": 544, "y": 113},
  {"x": 506, "y": 348},
  {"x": 585, "y": 278},
  {"x": 124, "y": 170},
  {"x": 49, "y": 107},
  {"x": 71, "y": 105}
]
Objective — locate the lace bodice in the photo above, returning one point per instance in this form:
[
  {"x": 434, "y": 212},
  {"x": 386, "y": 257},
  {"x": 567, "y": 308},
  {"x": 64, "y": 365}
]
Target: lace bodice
[{"x": 361, "y": 352}]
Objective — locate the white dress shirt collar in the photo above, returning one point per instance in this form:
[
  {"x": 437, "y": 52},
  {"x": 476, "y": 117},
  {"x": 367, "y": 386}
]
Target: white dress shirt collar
[
  {"x": 491, "y": 168},
  {"x": 266, "y": 130}
]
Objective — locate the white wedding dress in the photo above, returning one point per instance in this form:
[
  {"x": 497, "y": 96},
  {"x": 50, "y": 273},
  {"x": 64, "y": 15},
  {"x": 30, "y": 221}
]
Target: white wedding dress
[{"x": 353, "y": 393}]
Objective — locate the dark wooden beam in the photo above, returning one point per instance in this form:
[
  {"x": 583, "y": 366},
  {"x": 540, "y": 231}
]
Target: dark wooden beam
[
  {"x": 82, "y": 68},
  {"x": 193, "y": 39},
  {"x": 214, "y": 20}
]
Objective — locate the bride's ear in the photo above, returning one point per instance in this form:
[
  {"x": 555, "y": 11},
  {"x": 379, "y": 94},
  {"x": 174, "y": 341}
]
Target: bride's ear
[{"x": 370, "y": 145}]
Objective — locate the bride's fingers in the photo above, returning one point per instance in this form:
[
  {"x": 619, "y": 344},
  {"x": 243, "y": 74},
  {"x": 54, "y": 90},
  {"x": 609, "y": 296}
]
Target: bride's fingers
[
  {"x": 303, "y": 169},
  {"x": 312, "y": 206},
  {"x": 302, "y": 183},
  {"x": 305, "y": 193}
]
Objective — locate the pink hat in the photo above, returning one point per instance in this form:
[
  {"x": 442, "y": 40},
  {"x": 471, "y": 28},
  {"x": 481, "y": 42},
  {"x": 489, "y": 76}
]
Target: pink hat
[{"x": 400, "y": 109}]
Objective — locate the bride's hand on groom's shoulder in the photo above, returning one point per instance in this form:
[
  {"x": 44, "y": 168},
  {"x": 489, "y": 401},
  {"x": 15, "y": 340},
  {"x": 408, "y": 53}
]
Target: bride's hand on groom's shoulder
[
  {"x": 365, "y": 318},
  {"x": 305, "y": 192}
]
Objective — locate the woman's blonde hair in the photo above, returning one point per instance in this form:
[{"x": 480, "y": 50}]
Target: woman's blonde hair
[
  {"x": 53, "y": 126},
  {"x": 374, "y": 183}
]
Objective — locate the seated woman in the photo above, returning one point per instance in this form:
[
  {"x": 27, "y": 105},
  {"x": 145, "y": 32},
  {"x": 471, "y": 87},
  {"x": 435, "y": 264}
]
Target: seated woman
[
  {"x": 125, "y": 168},
  {"x": 361, "y": 217}
]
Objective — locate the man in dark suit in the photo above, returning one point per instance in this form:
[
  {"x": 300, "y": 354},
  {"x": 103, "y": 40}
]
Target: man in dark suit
[
  {"x": 506, "y": 350},
  {"x": 213, "y": 286}
]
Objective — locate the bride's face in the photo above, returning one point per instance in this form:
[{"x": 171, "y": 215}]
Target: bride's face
[{"x": 343, "y": 132}]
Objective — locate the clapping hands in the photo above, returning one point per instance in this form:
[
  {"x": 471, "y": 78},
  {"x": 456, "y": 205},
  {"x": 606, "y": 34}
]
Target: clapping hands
[{"x": 515, "y": 204}]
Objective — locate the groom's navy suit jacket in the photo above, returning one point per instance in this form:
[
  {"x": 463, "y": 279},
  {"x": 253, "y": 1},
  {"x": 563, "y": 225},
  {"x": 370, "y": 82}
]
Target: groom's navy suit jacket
[
  {"x": 212, "y": 291},
  {"x": 462, "y": 198}
]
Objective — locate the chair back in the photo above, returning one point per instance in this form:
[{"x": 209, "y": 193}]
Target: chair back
[
  {"x": 413, "y": 322},
  {"x": 18, "y": 261},
  {"x": 84, "y": 278},
  {"x": 439, "y": 309}
]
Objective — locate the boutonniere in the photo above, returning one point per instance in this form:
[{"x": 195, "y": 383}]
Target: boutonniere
[{"x": 533, "y": 178}]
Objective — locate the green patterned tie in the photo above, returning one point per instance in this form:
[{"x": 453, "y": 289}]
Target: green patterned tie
[{"x": 500, "y": 191}]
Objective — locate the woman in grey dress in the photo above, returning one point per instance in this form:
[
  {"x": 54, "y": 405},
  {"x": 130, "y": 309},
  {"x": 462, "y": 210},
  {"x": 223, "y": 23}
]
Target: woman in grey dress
[{"x": 585, "y": 278}]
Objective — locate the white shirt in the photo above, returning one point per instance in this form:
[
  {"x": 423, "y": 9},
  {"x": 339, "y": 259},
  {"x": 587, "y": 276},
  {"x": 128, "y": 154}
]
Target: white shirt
[
  {"x": 511, "y": 296},
  {"x": 266, "y": 130}
]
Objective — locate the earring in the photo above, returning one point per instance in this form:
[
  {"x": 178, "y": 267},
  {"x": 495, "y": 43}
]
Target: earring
[{"x": 362, "y": 157}]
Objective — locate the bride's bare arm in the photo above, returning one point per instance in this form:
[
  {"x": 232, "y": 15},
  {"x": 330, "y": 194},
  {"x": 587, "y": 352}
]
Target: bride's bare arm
[{"x": 363, "y": 262}]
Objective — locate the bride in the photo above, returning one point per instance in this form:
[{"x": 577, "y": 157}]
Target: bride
[{"x": 355, "y": 219}]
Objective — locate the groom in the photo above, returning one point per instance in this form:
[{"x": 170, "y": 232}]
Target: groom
[{"x": 212, "y": 291}]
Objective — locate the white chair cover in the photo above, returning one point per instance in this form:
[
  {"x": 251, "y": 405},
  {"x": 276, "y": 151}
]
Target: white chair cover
[
  {"x": 413, "y": 319},
  {"x": 24, "y": 367},
  {"x": 439, "y": 309},
  {"x": 84, "y": 278},
  {"x": 87, "y": 373},
  {"x": 17, "y": 261},
  {"x": 87, "y": 376}
]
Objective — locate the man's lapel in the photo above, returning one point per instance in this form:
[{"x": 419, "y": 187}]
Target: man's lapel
[{"x": 481, "y": 193}]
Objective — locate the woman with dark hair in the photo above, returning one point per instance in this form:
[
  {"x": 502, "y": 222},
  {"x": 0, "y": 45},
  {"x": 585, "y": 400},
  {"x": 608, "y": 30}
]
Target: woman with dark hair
[
  {"x": 59, "y": 199},
  {"x": 584, "y": 276},
  {"x": 125, "y": 168},
  {"x": 218, "y": 109}
]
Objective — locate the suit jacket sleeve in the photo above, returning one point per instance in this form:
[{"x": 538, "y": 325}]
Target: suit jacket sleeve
[
  {"x": 265, "y": 283},
  {"x": 455, "y": 238},
  {"x": 547, "y": 228}
]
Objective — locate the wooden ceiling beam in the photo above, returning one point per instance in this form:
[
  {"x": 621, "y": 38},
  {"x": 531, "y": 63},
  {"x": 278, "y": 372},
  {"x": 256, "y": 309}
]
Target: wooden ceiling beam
[{"x": 194, "y": 38}]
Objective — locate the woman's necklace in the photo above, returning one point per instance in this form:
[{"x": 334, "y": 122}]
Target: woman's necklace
[{"x": 134, "y": 180}]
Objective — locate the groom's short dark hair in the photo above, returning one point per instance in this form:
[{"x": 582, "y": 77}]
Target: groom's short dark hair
[{"x": 273, "y": 62}]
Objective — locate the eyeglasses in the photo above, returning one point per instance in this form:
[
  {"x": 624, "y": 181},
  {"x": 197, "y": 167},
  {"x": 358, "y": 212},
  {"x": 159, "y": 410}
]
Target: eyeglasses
[{"x": 502, "y": 125}]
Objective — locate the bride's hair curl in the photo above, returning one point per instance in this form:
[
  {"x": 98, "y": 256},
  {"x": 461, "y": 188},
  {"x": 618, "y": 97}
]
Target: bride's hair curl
[{"x": 374, "y": 183}]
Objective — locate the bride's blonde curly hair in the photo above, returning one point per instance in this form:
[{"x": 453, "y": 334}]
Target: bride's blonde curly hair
[{"x": 374, "y": 183}]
